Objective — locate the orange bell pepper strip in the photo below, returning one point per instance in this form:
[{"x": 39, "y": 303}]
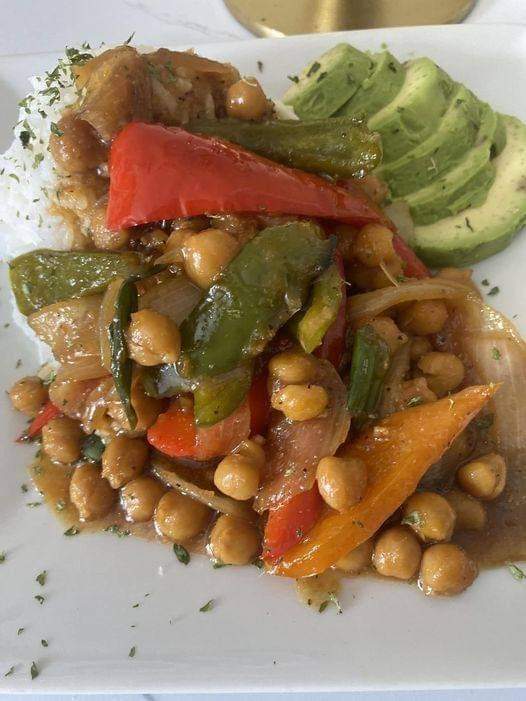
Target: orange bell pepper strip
[
  {"x": 49, "y": 411},
  {"x": 397, "y": 453},
  {"x": 288, "y": 524}
]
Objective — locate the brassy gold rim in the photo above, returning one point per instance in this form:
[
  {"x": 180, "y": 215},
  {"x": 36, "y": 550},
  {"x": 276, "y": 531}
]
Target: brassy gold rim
[{"x": 276, "y": 18}]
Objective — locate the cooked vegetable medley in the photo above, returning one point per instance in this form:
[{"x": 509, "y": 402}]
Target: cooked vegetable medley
[{"x": 249, "y": 359}]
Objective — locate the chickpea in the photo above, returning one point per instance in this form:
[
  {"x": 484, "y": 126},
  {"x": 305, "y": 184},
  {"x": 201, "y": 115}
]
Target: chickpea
[
  {"x": 245, "y": 99},
  {"x": 206, "y": 254},
  {"x": 397, "y": 553},
  {"x": 346, "y": 237},
  {"x": 90, "y": 492},
  {"x": 61, "y": 439},
  {"x": 153, "y": 338},
  {"x": 234, "y": 541},
  {"x": 446, "y": 570},
  {"x": 419, "y": 347},
  {"x": 423, "y": 317},
  {"x": 388, "y": 331},
  {"x": 140, "y": 497},
  {"x": 374, "y": 245},
  {"x": 416, "y": 391},
  {"x": 76, "y": 149},
  {"x": 341, "y": 481},
  {"x": 179, "y": 517},
  {"x": 123, "y": 460},
  {"x": 238, "y": 474},
  {"x": 292, "y": 367},
  {"x": 430, "y": 516},
  {"x": 471, "y": 514},
  {"x": 443, "y": 371},
  {"x": 28, "y": 395},
  {"x": 300, "y": 402},
  {"x": 358, "y": 559},
  {"x": 483, "y": 478},
  {"x": 376, "y": 278},
  {"x": 103, "y": 238}
]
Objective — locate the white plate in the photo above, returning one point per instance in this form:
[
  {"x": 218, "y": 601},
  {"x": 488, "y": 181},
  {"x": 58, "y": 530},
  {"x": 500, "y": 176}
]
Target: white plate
[{"x": 257, "y": 637}]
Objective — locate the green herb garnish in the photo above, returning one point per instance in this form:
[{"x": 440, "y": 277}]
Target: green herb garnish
[
  {"x": 516, "y": 572},
  {"x": 484, "y": 422},
  {"x": 3, "y": 556},
  {"x": 41, "y": 578},
  {"x": 333, "y": 599},
  {"x": 72, "y": 530},
  {"x": 117, "y": 530},
  {"x": 132, "y": 651},
  {"x": 495, "y": 353},
  {"x": 60, "y": 505},
  {"x": 44, "y": 643},
  {"x": 412, "y": 519},
  {"x": 181, "y": 554},
  {"x": 494, "y": 291},
  {"x": 10, "y": 671},
  {"x": 55, "y": 129},
  {"x": 34, "y": 671},
  {"x": 415, "y": 401},
  {"x": 33, "y": 504},
  {"x": 92, "y": 448},
  {"x": 24, "y": 488},
  {"x": 20, "y": 631},
  {"x": 207, "y": 607},
  {"x": 40, "y": 599}
]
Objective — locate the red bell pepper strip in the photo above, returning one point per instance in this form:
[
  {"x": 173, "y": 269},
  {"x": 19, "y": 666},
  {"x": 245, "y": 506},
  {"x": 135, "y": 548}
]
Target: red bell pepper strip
[
  {"x": 160, "y": 173},
  {"x": 49, "y": 411},
  {"x": 287, "y": 524},
  {"x": 175, "y": 433},
  {"x": 259, "y": 403},
  {"x": 333, "y": 344},
  {"x": 413, "y": 266}
]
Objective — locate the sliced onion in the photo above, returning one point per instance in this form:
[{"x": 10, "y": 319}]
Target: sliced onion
[
  {"x": 295, "y": 448},
  {"x": 107, "y": 310},
  {"x": 177, "y": 476},
  {"x": 88, "y": 368},
  {"x": 175, "y": 297},
  {"x": 371, "y": 304}
]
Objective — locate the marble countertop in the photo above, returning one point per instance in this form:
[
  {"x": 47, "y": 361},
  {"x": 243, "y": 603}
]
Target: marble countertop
[{"x": 28, "y": 26}]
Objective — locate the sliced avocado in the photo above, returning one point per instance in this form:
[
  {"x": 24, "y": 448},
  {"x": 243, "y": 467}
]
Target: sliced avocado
[
  {"x": 378, "y": 89},
  {"x": 479, "y": 232},
  {"x": 462, "y": 186},
  {"x": 455, "y": 135},
  {"x": 328, "y": 82},
  {"x": 416, "y": 111}
]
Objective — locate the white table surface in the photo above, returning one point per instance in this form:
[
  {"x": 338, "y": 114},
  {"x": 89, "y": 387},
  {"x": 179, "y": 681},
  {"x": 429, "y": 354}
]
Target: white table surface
[{"x": 28, "y": 26}]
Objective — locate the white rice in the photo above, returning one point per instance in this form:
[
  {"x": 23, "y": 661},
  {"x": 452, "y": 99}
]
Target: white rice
[{"x": 28, "y": 179}]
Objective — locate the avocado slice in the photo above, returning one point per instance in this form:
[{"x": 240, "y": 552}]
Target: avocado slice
[
  {"x": 328, "y": 82},
  {"x": 479, "y": 232},
  {"x": 378, "y": 89},
  {"x": 415, "y": 113},
  {"x": 455, "y": 135},
  {"x": 462, "y": 186}
]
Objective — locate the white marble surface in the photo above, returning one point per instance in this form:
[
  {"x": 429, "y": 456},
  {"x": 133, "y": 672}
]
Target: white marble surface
[{"x": 28, "y": 26}]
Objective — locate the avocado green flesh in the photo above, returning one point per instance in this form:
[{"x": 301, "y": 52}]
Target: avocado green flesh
[
  {"x": 455, "y": 135},
  {"x": 476, "y": 233},
  {"x": 415, "y": 113},
  {"x": 460, "y": 184},
  {"x": 329, "y": 82},
  {"x": 378, "y": 89}
]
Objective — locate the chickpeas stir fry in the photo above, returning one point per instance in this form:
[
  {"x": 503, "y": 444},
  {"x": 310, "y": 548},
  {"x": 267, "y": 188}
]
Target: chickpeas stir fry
[
  {"x": 153, "y": 338},
  {"x": 397, "y": 553},
  {"x": 430, "y": 516},
  {"x": 28, "y": 395},
  {"x": 300, "y": 402},
  {"x": 341, "y": 481},
  {"x": 234, "y": 541},
  {"x": 124, "y": 459},
  {"x": 484, "y": 478},
  {"x": 234, "y": 381}
]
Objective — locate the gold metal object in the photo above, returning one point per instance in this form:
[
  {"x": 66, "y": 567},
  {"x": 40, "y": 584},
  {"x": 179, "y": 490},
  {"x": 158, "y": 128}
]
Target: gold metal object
[{"x": 276, "y": 18}]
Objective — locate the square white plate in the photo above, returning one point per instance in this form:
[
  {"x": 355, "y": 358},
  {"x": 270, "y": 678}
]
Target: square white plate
[{"x": 257, "y": 637}]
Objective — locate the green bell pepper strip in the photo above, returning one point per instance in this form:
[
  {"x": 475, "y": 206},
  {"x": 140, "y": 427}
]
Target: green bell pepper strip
[
  {"x": 322, "y": 311},
  {"x": 342, "y": 147},
  {"x": 369, "y": 365},
  {"x": 217, "y": 397},
  {"x": 126, "y": 302},
  {"x": 43, "y": 277},
  {"x": 258, "y": 292}
]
